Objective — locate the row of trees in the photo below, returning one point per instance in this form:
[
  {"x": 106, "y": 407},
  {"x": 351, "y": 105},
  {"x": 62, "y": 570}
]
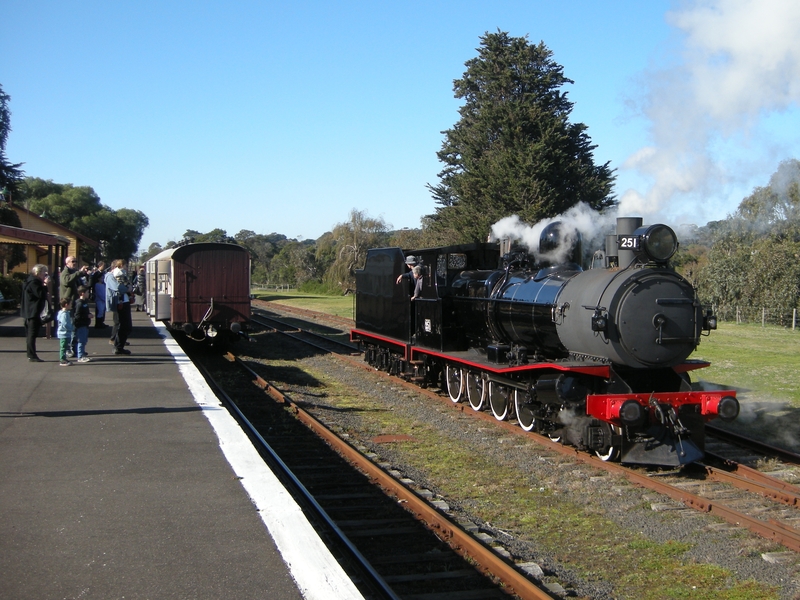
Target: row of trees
[{"x": 326, "y": 264}]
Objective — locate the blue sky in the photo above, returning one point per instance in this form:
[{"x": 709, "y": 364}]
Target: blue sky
[{"x": 282, "y": 117}]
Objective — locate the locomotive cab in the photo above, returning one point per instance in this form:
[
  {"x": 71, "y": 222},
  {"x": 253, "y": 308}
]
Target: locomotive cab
[{"x": 385, "y": 307}]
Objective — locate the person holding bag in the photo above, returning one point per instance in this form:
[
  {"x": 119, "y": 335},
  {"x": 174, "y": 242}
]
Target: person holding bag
[{"x": 34, "y": 308}]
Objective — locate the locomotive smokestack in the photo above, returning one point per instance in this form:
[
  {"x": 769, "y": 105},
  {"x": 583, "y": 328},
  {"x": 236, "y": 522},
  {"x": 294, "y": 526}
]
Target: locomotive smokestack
[{"x": 626, "y": 226}]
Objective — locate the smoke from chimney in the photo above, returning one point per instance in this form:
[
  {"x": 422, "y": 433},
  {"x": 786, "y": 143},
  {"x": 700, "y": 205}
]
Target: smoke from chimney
[{"x": 736, "y": 65}]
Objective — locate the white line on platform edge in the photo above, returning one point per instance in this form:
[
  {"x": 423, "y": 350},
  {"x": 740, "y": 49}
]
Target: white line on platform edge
[{"x": 314, "y": 569}]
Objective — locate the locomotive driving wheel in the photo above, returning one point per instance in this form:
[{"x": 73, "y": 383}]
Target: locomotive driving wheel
[
  {"x": 476, "y": 390},
  {"x": 499, "y": 400},
  {"x": 455, "y": 382},
  {"x": 524, "y": 409}
]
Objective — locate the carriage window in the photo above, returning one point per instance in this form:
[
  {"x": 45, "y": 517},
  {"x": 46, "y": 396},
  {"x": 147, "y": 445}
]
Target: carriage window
[{"x": 163, "y": 283}]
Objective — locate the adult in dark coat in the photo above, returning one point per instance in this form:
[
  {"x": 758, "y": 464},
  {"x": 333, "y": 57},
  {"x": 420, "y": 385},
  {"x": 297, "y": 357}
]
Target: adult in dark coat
[
  {"x": 69, "y": 281},
  {"x": 98, "y": 283},
  {"x": 34, "y": 296}
]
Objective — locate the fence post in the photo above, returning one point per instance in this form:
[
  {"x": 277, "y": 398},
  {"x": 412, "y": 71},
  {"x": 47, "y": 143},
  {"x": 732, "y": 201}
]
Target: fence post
[
  {"x": 794, "y": 317},
  {"x": 763, "y": 316}
]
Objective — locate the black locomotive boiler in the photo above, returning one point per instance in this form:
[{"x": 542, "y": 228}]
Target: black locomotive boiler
[
  {"x": 596, "y": 358},
  {"x": 202, "y": 290}
]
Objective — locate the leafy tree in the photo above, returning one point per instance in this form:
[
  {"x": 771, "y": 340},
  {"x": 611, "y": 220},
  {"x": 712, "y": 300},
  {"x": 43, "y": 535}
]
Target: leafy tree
[
  {"x": 351, "y": 240},
  {"x": 325, "y": 254},
  {"x": 722, "y": 281},
  {"x": 294, "y": 264},
  {"x": 152, "y": 250},
  {"x": 514, "y": 151},
  {"x": 410, "y": 239},
  {"x": 10, "y": 174},
  {"x": 690, "y": 260},
  {"x": 125, "y": 239},
  {"x": 216, "y": 235},
  {"x": 262, "y": 249},
  {"x": 755, "y": 256},
  {"x": 776, "y": 206},
  {"x": 79, "y": 208},
  {"x": 776, "y": 262}
]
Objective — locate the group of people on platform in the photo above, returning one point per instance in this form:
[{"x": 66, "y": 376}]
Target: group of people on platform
[{"x": 112, "y": 290}]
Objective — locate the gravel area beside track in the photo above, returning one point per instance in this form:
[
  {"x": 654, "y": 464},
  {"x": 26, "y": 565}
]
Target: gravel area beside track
[{"x": 626, "y": 505}]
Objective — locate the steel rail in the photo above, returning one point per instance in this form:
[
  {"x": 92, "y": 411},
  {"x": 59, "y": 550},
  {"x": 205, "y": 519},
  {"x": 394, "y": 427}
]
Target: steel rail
[
  {"x": 746, "y": 478},
  {"x": 377, "y": 580},
  {"x": 737, "y": 438},
  {"x": 490, "y": 563},
  {"x": 262, "y": 320}
]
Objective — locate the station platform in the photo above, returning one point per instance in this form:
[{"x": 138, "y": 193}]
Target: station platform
[{"x": 123, "y": 477}]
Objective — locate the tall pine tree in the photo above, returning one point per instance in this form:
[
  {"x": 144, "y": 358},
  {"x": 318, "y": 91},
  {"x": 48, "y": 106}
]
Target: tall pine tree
[
  {"x": 10, "y": 174},
  {"x": 513, "y": 151}
]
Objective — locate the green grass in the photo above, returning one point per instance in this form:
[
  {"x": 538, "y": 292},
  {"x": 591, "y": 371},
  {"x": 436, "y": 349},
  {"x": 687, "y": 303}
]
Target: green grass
[
  {"x": 762, "y": 362},
  {"x": 341, "y": 306}
]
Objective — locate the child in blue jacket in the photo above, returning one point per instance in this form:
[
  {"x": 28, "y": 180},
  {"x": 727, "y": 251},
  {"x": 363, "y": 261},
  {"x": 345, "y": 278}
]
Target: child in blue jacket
[{"x": 64, "y": 332}]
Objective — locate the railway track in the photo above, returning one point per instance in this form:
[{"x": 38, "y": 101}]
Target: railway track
[
  {"x": 325, "y": 340},
  {"x": 728, "y": 486},
  {"x": 399, "y": 541}
]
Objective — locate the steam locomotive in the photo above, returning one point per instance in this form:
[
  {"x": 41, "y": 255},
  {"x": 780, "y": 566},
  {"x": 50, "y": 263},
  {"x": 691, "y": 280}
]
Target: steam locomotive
[{"x": 595, "y": 358}]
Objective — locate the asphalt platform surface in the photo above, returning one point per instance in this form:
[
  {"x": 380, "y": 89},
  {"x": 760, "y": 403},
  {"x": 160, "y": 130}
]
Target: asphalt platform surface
[{"x": 113, "y": 482}]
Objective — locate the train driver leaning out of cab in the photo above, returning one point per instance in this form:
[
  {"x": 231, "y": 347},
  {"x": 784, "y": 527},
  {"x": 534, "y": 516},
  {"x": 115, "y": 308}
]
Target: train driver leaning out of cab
[{"x": 415, "y": 275}]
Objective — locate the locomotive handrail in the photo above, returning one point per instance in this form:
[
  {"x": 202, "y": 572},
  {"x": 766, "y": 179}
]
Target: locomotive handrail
[{"x": 674, "y": 340}]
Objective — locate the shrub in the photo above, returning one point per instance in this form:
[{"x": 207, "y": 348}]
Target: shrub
[{"x": 11, "y": 288}]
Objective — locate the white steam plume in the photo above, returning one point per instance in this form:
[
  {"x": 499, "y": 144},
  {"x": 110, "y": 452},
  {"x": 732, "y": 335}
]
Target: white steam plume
[
  {"x": 739, "y": 64},
  {"x": 581, "y": 218}
]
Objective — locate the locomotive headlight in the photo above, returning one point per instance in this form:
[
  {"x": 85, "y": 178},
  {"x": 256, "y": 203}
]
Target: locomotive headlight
[
  {"x": 631, "y": 413},
  {"x": 728, "y": 408},
  {"x": 659, "y": 242}
]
